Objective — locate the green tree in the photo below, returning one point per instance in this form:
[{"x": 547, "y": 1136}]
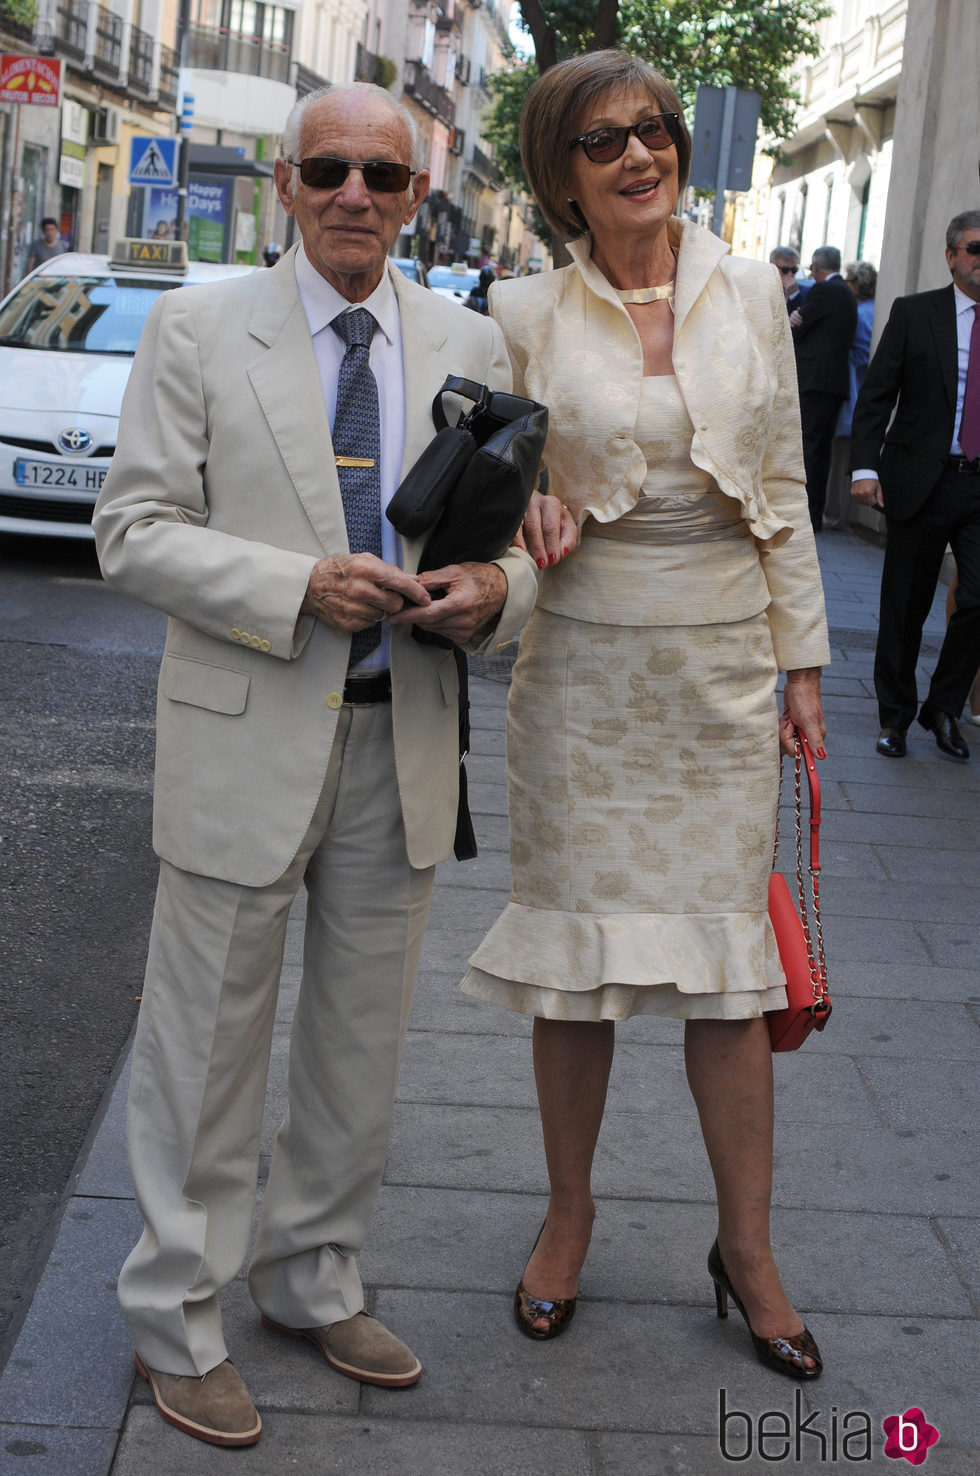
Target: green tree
[{"x": 720, "y": 43}]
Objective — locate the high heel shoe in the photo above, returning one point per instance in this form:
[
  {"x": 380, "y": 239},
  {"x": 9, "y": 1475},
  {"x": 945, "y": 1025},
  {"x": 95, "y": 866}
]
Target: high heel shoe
[
  {"x": 528, "y": 1310},
  {"x": 785, "y": 1355}
]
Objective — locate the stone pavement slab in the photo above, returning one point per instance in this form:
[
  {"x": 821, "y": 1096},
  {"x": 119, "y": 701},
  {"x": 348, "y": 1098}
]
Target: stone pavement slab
[{"x": 875, "y": 1218}]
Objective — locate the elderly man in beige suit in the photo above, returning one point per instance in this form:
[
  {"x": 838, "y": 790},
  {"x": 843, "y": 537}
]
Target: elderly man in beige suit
[{"x": 284, "y": 757}]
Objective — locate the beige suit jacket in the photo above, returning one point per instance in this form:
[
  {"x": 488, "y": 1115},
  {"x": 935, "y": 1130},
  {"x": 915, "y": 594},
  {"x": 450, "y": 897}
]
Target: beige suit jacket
[
  {"x": 221, "y": 498},
  {"x": 573, "y": 346}
]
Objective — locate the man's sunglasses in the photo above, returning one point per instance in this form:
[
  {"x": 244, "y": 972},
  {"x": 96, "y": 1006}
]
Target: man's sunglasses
[
  {"x": 787, "y": 271},
  {"x": 380, "y": 176},
  {"x": 602, "y": 145},
  {"x": 972, "y": 248}
]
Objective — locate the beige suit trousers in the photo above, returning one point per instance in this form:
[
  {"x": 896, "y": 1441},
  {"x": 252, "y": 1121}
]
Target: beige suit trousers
[{"x": 201, "y": 1062}]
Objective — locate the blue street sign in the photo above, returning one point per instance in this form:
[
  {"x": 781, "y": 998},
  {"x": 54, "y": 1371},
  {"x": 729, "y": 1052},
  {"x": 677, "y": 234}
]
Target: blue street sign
[{"x": 152, "y": 161}]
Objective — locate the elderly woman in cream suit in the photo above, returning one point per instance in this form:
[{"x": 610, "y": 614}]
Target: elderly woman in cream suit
[{"x": 643, "y": 730}]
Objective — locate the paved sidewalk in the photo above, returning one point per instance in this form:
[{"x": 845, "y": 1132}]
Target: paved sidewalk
[{"x": 876, "y": 1219}]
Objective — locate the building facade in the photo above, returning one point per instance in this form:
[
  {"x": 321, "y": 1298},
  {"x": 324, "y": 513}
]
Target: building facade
[
  {"x": 834, "y": 188},
  {"x": 132, "y": 69},
  {"x": 119, "y": 78}
]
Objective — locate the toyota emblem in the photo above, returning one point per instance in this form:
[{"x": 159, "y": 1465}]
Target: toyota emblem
[{"x": 74, "y": 440}]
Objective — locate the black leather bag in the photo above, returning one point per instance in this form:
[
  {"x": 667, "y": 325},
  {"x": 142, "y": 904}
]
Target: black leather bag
[{"x": 470, "y": 488}]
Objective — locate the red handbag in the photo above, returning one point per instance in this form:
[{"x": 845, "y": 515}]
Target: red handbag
[{"x": 808, "y": 1003}]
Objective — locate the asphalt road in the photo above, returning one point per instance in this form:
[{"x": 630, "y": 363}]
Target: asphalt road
[{"x": 77, "y": 677}]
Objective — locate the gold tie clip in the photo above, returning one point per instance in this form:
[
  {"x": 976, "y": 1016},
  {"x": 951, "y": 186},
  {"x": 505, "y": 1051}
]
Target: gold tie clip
[{"x": 354, "y": 460}]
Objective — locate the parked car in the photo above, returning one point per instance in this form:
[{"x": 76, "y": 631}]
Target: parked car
[
  {"x": 412, "y": 269},
  {"x": 68, "y": 333},
  {"x": 456, "y": 281}
]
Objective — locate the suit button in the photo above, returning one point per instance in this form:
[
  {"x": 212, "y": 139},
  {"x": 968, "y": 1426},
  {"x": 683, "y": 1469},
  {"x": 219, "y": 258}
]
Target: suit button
[
  {"x": 335, "y": 699},
  {"x": 236, "y": 634},
  {"x": 265, "y": 645},
  {"x": 255, "y": 641}
]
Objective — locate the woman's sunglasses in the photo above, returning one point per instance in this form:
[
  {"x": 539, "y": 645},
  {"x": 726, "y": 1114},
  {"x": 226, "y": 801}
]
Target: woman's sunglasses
[
  {"x": 380, "y": 176},
  {"x": 603, "y": 145}
]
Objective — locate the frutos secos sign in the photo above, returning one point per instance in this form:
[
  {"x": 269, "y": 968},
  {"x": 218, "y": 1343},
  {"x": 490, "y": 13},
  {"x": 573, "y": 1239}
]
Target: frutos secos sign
[{"x": 30, "y": 79}]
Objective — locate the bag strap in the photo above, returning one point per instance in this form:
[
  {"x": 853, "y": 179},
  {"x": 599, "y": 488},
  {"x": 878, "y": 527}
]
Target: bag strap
[
  {"x": 815, "y": 956},
  {"x": 468, "y": 389}
]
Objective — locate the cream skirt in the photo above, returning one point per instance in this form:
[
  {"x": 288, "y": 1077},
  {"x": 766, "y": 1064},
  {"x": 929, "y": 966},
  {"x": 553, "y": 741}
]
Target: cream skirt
[{"x": 643, "y": 783}]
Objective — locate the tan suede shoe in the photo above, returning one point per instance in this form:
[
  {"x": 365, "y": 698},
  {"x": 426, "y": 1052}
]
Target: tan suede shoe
[
  {"x": 362, "y": 1348},
  {"x": 217, "y": 1408}
]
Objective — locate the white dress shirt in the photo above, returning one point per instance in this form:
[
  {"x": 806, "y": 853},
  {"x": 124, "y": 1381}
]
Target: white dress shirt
[
  {"x": 965, "y": 319},
  {"x": 321, "y": 304}
]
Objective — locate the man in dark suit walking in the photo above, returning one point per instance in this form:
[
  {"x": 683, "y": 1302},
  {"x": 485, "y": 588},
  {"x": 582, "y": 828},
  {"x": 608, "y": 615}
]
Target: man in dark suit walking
[
  {"x": 823, "y": 330},
  {"x": 924, "y": 471}
]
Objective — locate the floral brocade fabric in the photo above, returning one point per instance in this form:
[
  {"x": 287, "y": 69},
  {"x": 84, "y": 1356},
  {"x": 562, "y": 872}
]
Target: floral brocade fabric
[{"x": 643, "y": 767}]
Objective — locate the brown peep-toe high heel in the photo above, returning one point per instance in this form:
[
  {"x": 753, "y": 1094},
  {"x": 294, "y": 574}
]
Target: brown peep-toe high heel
[
  {"x": 785, "y": 1355},
  {"x": 528, "y": 1310}
]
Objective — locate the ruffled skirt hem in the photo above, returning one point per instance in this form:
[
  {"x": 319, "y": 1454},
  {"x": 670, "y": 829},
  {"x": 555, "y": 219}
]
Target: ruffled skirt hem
[{"x": 573, "y": 966}]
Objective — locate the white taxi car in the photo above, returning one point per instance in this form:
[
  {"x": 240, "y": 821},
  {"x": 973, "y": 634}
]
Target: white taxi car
[{"x": 68, "y": 333}]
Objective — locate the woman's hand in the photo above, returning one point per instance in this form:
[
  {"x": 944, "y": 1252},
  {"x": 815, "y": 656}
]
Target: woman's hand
[
  {"x": 548, "y": 532},
  {"x": 803, "y": 709}
]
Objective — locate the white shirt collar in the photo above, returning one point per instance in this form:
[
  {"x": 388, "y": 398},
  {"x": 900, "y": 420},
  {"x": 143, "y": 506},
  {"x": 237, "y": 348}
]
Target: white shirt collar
[
  {"x": 322, "y": 302},
  {"x": 963, "y": 303}
]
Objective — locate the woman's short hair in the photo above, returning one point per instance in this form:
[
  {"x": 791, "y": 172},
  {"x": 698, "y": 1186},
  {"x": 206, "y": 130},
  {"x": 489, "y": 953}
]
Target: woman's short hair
[
  {"x": 865, "y": 278},
  {"x": 555, "y": 112}
]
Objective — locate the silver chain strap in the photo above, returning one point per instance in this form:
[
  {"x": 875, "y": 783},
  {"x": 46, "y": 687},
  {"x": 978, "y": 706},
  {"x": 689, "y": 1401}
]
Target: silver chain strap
[{"x": 815, "y": 958}]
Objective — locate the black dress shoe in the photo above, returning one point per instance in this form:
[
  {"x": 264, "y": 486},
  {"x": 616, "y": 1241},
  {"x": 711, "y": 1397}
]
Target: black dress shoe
[
  {"x": 946, "y": 732},
  {"x": 891, "y": 742}
]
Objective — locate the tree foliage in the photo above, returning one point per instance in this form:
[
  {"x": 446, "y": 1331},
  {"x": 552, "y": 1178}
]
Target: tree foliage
[{"x": 720, "y": 43}]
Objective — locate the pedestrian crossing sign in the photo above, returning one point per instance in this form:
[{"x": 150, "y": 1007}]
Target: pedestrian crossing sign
[{"x": 152, "y": 161}]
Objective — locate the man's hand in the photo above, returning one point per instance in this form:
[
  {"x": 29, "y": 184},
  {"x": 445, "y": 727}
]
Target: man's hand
[
  {"x": 548, "y": 532},
  {"x": 474, "y": 596},
  {"x": 352, "y": 591},
  {"x": 795, "y": 318},
  {"x": 868, "y": 491}
]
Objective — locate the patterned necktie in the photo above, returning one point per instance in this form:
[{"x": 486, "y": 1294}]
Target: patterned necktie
[
  {"x": 357, "y": 438},
  {"x": 970, "y": 424}
]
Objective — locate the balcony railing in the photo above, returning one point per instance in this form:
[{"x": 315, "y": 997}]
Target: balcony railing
[
  {"x": 368, "y": 67},
  {"x": 435, "y": 99},
  {"x": 107, "y": 55},
  {"x": 216, "y": 49},
  {"x": 72, "y": 27},
  {"x": 169, "y": 77},
  {"x": 141, "y": 61},
  {"x": 486, "y": 167}
]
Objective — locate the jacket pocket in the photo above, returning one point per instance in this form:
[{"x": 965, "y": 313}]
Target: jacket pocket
[{"x": 198, "y": 683}]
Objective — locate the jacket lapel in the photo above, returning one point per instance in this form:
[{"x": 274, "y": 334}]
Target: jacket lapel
[
  {"x": 423, "y": 362},
  {"x": 286, "y": 381}
]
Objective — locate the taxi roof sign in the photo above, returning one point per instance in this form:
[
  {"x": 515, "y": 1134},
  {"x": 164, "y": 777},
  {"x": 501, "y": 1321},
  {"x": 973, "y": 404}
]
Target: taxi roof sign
[{"x": 154, "y": 255}]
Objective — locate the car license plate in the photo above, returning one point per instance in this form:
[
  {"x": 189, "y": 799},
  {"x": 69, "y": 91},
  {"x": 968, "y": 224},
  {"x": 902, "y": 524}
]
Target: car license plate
[{"x": 53, "y": 474}]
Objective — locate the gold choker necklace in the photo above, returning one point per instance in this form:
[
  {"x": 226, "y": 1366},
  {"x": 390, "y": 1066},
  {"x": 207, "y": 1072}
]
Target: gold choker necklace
[{"x": 639, "y": 295}]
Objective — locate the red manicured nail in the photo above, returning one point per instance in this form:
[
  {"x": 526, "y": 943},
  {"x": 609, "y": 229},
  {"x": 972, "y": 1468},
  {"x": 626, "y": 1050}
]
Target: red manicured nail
[
  {"x": 564, "y": 553},
  {"x": 552, "y": 558},
  {"x": 542, "y": 563},
  {"x": 821, "y": 753}
]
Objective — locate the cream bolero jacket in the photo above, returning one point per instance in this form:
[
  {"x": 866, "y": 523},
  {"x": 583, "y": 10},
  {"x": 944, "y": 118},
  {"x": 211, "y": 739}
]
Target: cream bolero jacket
[{"x": 573, "y": 347}]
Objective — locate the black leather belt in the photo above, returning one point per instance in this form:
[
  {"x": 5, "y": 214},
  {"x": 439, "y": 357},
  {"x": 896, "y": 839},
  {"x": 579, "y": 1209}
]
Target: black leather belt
[
  {"x": 366, "y": 687},
  {"x": 963, "y": 464}
]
